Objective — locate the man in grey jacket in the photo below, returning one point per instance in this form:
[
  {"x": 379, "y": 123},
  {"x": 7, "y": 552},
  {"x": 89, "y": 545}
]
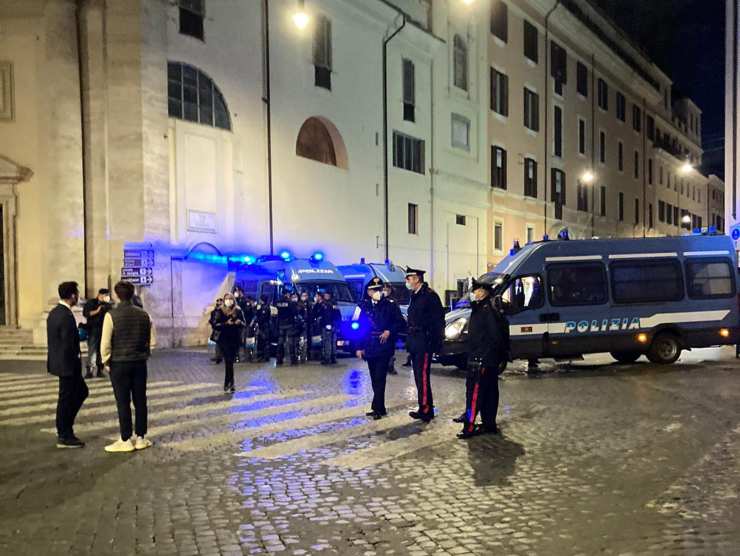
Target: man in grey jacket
[{"x": 125, "y": 348}]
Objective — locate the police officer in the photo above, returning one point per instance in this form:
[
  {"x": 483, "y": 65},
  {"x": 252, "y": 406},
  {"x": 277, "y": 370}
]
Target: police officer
[
  {"x": 287, "y": 311},
  {"x": 425, "y": 335},
  {"x": 327, "y": 316},
  {"x": 304, "y": 312},
  {"x": 261, "y": 326},
  {"x": 380, "y": 321},
  {"x": 388, "y": 294},
  {"x": 488, "y": 342}
]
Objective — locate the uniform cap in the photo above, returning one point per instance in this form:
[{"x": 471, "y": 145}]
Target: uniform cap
[
  {"x": 415, "y": 272},
  {"x": 477, "y": 284},
  {"x": 375, "y": 284}
]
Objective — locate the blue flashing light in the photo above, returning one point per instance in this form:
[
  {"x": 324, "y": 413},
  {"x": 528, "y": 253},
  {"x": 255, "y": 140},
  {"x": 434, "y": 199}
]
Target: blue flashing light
[
  {"x": 285, "y": 255},
  {"x": 355, "y": 326},
  {"x": 546, "y": 238},
  {"x": 564, "y": 234},
  {"x": 696, "y": 231},
  {"x": 515, "y": 248},
  {"x": 317, "y": 257},
  {"x": 712, "y": 230}
]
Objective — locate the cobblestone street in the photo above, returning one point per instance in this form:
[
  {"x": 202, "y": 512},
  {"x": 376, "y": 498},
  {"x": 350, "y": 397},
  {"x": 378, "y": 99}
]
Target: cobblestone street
[{"x": 593, "y": 458}]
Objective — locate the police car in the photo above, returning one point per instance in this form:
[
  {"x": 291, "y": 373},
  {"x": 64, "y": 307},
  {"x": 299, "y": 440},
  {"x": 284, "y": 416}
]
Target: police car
[
  {"x": 627, "y": 297},
  {"x": 271, "y": 275}
]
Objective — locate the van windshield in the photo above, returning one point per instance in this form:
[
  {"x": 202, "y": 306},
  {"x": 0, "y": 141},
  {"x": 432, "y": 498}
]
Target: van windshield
[
  {"x": 400, "y": 294},
  {"x": 339, "y": 291}
]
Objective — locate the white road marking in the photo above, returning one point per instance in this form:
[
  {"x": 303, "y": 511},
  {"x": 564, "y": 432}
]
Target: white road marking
[{"x": 94, "y": 391}]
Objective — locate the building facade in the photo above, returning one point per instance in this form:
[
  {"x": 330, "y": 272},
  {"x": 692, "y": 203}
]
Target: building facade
[
  {"x": 433, "y": 133},
  {"x": 732, "y": 119}
]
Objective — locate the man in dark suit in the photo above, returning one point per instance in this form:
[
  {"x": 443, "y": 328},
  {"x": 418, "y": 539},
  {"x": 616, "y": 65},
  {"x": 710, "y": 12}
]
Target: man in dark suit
[{"x": 64, "y": 360}]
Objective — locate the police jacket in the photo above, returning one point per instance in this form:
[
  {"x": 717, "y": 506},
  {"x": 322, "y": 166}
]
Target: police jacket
[
  {"x": 376, "y": 318},
  {"x": 426, "y": 322},
  {"x": 488, "y": 335},
  {"x": 326, "y": 314},
  {"x": 287, "y": 311},
  {"x": 304, "y": 312}
]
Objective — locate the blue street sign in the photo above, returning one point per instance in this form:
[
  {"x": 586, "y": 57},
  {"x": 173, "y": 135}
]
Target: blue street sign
[{"x": 735, "y": 233}]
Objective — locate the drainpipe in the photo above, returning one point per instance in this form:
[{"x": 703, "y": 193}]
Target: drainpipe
[
  {"x": 432, "y": 171},
  {"x": 593, "y": 142},
  {"x": 643, "y": 121},
  {"x": 547, "y": 103},
  {"x": 385, "y": 133},
  {"x": 81, "y": 80},
  {"x": 733, "y": 142},
  {"x": 268, "y": 105}
]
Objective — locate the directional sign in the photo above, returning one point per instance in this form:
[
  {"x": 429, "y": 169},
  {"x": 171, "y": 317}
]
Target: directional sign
[
  {"x": 137, "y": 261},
  {"x": 735, "y": 232},
  {"x": 141, "y": 280},
  {"x": 135, "y": 272},
  {"x": 139, "y": 253}
]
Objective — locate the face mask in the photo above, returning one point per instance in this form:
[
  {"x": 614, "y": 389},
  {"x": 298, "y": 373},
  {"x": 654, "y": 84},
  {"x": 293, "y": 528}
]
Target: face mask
[
  {"x": 106, "y": 299},
  {"x": 377, "y": 296},
  {"x": 409, "y": 286},
  {"x": 229, "y": 302},
  {"x": 472, "y": 296}
]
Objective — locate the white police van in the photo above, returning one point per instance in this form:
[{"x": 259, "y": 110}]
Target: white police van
[{"x": 627, "y": 297}]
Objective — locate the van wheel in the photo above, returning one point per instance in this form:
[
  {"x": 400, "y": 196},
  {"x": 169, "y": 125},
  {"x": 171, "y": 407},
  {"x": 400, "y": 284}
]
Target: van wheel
[
  {"x": 665, "y": 349},
  {"x": 626, "y": 356}
]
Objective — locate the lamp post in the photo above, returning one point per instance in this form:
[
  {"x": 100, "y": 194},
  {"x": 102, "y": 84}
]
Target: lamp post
[
  {"x": 587, "y": 178},
  {"x": 684, "y": 170}
]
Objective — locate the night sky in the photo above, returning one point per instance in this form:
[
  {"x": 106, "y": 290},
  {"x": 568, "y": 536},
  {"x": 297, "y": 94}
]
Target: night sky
[{"x": 685, "y": 38}]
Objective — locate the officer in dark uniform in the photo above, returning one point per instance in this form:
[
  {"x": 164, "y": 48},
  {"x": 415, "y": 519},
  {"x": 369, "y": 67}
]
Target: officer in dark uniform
[
  {"x": 488, "y": 343},
  {"x": 287, "y": 312},
  {"x": 425, "y": 335},
  {"x": 380, "y": 321},
  {"x": 388, "y": 294},
  {"x": 327, "y": 316},
  {"x": 261, "y": 326},
  {"x": 304, "y": 312}
]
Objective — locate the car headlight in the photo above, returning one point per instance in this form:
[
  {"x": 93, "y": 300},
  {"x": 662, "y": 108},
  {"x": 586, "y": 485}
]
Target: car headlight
[{"x": 454, "y": 329}]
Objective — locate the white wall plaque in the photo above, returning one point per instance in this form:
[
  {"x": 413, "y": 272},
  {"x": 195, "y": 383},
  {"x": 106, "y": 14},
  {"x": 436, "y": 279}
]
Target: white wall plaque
[{"x": 199, "y": 221}]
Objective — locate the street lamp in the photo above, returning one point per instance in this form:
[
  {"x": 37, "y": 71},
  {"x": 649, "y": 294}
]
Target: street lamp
[
  {"x": 686, "y": 168},
  {"x": 468, "y": 2},
  {"x": 588, "y": 177},
  {"x": 300, "y": 17}
]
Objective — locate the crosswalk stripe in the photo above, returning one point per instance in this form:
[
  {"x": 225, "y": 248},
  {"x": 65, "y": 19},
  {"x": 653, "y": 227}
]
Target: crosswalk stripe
[
  {"x": 47, "y": 387},
  {"x": 94, "y": 391},
  {"x": 310, "y": 442},
  {"x": 6, "y": 379},
  {"x": 106, "y": 409},
  {"x": 194, "y": 444},
  {"x": 191, "y": 411},
  {"x": 392, "y": 449},
  {"x": 44, "y": 384}
]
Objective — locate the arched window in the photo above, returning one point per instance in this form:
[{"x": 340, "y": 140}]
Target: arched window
[
  {"x": 460, "y": 62},
  {"x": 319, "y": 140},
  {"x": 193, "y": 96}
]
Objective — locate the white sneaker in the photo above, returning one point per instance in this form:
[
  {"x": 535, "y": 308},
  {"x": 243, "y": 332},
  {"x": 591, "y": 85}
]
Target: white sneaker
[
  {"x": 142, "y": 443},
  {"x": 120, "y": 446}
]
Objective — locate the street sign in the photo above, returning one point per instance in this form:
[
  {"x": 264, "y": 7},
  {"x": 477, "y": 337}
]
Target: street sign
[
  {"x": 138, "y": 261},
  {"x": 137, "y": 266},
  {"x": 136, "y": 272},
  {"x": 735, "y": 232},
  {"x": 141, "y": 280},
  {"x": 139, "y": 253}
]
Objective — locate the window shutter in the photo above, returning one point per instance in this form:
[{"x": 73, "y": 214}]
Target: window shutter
[{"x": 409, "y": 83}]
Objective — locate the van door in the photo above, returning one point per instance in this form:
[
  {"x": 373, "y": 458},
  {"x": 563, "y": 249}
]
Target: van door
[{"x": 523, "y": 301}]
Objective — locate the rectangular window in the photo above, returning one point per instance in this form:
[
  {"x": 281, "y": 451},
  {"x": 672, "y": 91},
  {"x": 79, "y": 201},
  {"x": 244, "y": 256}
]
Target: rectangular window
[
  {"x": 582, "y": 79},
  {"x": 620, "y": 156},
  {"x": 559, "y": 66},
  {"x": 634, "y": 281},
  {"x": 531, "y": 42},
  {"x": 530, "y": 234},
  {"x": 660, "y": 174},
  {"x": 530, "y": 178},
  {"x": 669, "y": 213},
  {"x": 636, "y": 169},
  {"x": 651, "y": 224},
  {"x": 661, "y": 211},
  {"x": 192, "y": 13},
  {"x": 460, "y": 132},
  {"x": 650, "y": 171},
  {"x": 636, "y": 118},
  {"x": 413, "y": 218},
  {"x": 650, "y": 127},
  {"x": 558, "y": 187},
  {"x": 603, "y": 95},
  {"x": 460, "y": 62},
  {"x": 581, "y": 136},
  {"x": 498, "y": 236},
  {"x": 499, "y": 92},
  {"x": 637, "y": 211},
  {"x": 322, "y": 56},
  {"x": 531, "y": 110},
  {"x": 602, "y": 147},
  {"x": 577, "y": 284},
  {"x": 621, "y": 107},
  {"x": 409, "y": 91},
  {"x": 460, "y": 219},
  {"x": 675, "y": 216},
  {"x": 621, "y": 207},
  {"x": 408, "y": 153},
  {"x": 582, "y": 194},
  {"x": 498, "y": 167},
  {"x": 558, "y": 131},
  {"x": 603, "y": 201},
  {"x": 499, "y": 20}
]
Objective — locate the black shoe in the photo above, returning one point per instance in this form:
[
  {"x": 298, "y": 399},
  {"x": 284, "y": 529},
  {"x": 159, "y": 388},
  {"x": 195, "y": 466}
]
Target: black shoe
[
  {"x": 88, "y": 374},
  {"x": 414, "y": 414},
  {"x": 72, "y": 442},
  {"x": 465, "y": 433},
  {"x": 370, "y": 413},
  {"x": 218, "y": 361},
  {"x": 460, "y": 419},
  {"x": 489, "y": 429},
  {"x": 426, "y": 417},
  {"x": 232, "y": 389},
  {"x": 99, "y": 374}
]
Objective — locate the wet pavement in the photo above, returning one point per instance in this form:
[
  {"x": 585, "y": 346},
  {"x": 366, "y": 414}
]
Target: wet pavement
[{"x": 594, "y": 458}]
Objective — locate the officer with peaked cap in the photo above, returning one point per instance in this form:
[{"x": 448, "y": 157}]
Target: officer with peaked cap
[
  {"x": 425, "y": 336},
  {"x": 380, "y": 321},
  {"x": 488, "y": 345}
]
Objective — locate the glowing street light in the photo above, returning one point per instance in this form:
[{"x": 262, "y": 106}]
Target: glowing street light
[
  {"x": 686, "y": 168},
  {"x": 300, "y": 17},
  {"x": 468, "y": 2},
  {"x": 588, "y": 177},
  {"x": 686, "y": 219}
]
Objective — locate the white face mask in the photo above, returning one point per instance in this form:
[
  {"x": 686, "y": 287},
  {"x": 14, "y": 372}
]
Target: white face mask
[
  {"x": 106, "y": 299},
  {"x": 377, "y": 296},
  {"x": 409, "y": 286},
  {"x": 472, "y": 297},
  {"x": 229, "y": 302}
]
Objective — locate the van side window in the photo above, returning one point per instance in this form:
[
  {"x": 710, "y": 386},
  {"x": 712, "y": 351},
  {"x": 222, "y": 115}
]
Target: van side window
[
  {"x": 646, "y": 281},
  {"x": 356, "y": 289},
  {"x": 523, "y": 293},
  {"x": 577, "y": 284},
  {"x": 268, "y": 290},
  {"x": 709, "y": 279}
]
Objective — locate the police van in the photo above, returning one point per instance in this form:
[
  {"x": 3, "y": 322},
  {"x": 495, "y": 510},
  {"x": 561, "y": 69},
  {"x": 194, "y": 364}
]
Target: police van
[
  {"x": 271, "y": 275},
  {"x": 627, "y": 297},
  {"x": 358, "y": 277}
]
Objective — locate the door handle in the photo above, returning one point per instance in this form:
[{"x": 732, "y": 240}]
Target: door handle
[{"x": 549, "y": 317}]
